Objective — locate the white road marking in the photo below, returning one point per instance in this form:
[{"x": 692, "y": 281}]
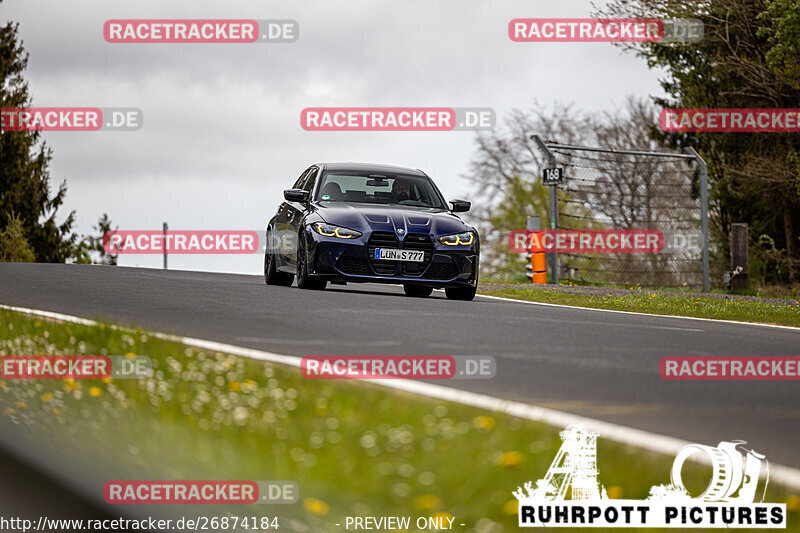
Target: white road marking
[
  {"x": 761, "y": 324},
  {"x": 784, "y": 475},
  {"x": 316, "y": 342}
]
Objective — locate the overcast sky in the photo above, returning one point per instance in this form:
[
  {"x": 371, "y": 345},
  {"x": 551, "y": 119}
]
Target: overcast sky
[{"x": 222, "y": 136}]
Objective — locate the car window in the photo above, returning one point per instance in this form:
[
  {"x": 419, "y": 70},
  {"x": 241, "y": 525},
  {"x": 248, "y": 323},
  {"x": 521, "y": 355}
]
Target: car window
[
  {"x": 398, "y": 189},
  {"x": 310, "y": 179},
  {"x": 301, "y": 180}
]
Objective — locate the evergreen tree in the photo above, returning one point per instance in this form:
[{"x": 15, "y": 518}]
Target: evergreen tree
[{"x": 24, "y": 165}]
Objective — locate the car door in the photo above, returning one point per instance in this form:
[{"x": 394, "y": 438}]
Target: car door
[
  {"x": 297, "y": 211},
  {"x": 285, "y": 232}
]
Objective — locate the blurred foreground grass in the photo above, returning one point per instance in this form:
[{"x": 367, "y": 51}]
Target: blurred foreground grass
[{"x": 354, "y": 448}]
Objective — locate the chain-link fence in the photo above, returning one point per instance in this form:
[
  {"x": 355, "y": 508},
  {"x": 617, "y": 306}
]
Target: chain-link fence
[{"x": 604, "y": 189}]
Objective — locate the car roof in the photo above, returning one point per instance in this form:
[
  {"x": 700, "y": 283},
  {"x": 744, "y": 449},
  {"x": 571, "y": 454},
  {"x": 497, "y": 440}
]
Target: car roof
[{"x": 372, "y": 167}]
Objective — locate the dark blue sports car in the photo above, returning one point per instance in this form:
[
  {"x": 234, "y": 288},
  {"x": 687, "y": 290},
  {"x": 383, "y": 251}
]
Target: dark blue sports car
[{"x": 352, "y": 222}]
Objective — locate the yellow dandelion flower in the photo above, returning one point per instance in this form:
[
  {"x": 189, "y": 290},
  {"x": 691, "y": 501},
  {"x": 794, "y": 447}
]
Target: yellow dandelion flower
[
  {"x": 130, "y": 355},
  {"x": 315, "y": 506},
  {"x": 483, "y": 422},
  {"x": 21, "y": 405},
  {"x": 234, "y": 385},
  {"x": 510, "y": 459},
  {"x": 95, "y": 392},
  {"x": 107, "y": 380},
  {"x": 511, "y": 507},
  {"x": 615, "y": 492},
  {"x": 2, "y": 383},
  {"x": 47, "y": 397},
  {"x": 427, "y": 502}
]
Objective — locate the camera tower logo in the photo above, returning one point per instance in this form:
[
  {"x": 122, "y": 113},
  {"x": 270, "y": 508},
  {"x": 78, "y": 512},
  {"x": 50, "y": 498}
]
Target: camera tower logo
[{"x": 727, "y": 501}]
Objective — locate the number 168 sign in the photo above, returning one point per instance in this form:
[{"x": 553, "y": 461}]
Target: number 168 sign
[{"x": 553, "y": 176}]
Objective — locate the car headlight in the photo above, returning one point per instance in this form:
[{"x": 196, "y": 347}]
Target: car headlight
[
  {"x": 462, "y": 239},
  {"x": 329, "y": 230}
]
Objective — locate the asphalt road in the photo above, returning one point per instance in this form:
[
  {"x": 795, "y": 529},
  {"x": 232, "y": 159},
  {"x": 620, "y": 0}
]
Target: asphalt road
[{"x": 593, "y": 363}]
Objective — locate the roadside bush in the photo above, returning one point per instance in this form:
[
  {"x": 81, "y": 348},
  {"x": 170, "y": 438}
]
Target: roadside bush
[{"x": 14, "y": 247}]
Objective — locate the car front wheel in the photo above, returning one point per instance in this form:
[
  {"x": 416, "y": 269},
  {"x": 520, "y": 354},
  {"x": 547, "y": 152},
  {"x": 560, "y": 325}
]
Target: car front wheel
[
  {"x": 304, "y": 281},
  {"x": 460, "y": 293}
]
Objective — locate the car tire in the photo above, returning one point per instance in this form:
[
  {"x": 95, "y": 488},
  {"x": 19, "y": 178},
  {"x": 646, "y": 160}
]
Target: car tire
[
  {"x": 304, "y": 280},
  {"x": 271, "y": 274},
  {"x": 417, "y": 291},
  {"x": 460, "y": 293}
]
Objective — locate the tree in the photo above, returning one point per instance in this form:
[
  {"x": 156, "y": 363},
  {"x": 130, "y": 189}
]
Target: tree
[
  {"x": 505, "y": 172},
  {"x": 748, "y": 58},
  {"x": 25, "y": 176},
  {"x": 783, "y": 38},
  {"x": 614, "y": 191},
  {"x": 90, "y": 245},
  {"x": 14, "y": 246}
]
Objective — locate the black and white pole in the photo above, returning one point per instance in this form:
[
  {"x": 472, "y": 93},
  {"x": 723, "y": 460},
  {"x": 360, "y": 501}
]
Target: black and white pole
[{"x": 703, "y": 168}]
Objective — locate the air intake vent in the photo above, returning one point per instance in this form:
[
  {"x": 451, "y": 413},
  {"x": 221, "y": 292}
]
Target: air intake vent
[{"x": 382, "y": 239}]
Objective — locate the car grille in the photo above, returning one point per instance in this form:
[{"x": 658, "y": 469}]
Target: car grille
[
  {"x": 442, "y": 271},
  {"x": 417, "y": 241},
  {"x": 382, "y": 239},
  {"x": 354, "y": 266}
]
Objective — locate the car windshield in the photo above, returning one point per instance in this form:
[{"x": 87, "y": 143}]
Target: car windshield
[{"x": 378, "y": 188}]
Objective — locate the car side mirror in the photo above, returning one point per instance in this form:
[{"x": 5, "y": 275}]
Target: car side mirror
[
  {"x": 460, "y": 206},
  {"x": 296, "y": 195}
]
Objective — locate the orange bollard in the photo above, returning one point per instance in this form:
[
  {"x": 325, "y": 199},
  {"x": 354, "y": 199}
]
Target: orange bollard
[{"x": 538, "y": 262}]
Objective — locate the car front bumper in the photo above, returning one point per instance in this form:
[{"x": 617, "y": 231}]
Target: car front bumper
[{"x": 353, "y": 261}]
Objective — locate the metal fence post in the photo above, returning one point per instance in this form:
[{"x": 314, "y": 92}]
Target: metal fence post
[
  {"x": 703, "y": 213},
  {"x": 164, "y": 228},
  {"x": 551, "y": 162}
]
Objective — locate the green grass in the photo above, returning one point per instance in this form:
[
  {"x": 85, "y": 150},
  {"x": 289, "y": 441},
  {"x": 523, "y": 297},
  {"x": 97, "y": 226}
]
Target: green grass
[
  {"x": 353, "y": 448},
  {"x": 656, "y": 302}
]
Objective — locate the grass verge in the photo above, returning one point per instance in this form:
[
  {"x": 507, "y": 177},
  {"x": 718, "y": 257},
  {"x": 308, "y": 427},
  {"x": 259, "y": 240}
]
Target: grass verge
[
  {"x": 662, "y": 303},
  {"x": 354, "y": 448}
]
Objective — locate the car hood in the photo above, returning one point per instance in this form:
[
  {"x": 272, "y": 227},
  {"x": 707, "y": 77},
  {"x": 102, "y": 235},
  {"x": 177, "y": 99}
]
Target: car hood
[{"x": 372, "y": 217}]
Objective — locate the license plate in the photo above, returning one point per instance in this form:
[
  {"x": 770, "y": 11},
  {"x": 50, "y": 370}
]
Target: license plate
[{"x": 391, "y": 254}]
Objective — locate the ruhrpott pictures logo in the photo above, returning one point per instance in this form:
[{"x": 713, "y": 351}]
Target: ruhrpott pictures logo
[{"x": 740, "y": 477}]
